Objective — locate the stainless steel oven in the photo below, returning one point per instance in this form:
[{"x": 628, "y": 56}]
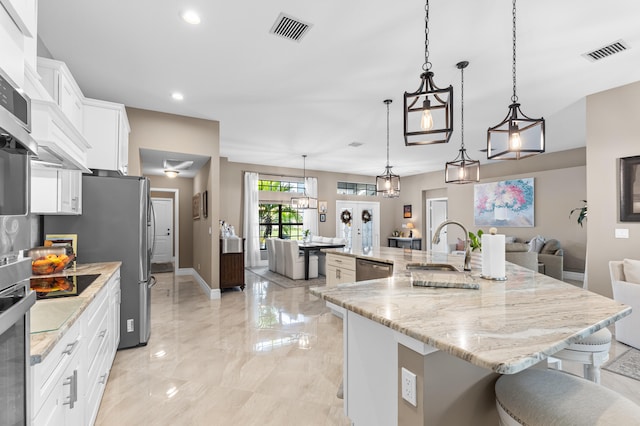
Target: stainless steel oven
[
  {"x": 16, "y": 146},
  {"x": 15, "y": 301}
]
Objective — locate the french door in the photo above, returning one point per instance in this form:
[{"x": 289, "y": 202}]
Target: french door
[{"x": 358, "y": 222}]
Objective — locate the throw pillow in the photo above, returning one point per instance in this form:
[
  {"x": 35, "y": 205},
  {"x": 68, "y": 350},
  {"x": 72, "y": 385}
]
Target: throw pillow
[
  {"x": 550, "y": 247},
  {"x": 535, "y": 245},
  {"x": 631, "y": 270},
  {"x": 460, "y": 245}
]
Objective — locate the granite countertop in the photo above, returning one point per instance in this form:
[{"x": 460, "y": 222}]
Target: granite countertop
[
  {"x": 56, "y": 316},
  {"x": 505, "y": 326}
]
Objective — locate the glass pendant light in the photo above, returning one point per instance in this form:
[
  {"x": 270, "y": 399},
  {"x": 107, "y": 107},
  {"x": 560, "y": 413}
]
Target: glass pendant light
[
  {"x": 428, "y": 112},
  {"x": 388, "y": 184},
  {"x": 305, "y": 201},
  {"x": 463, "y": 169},
  {"x": 517, "y": 136}
]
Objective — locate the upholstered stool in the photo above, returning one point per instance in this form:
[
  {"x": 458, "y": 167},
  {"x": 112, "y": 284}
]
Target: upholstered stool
[
  {"x": 592, "y": 351},
  {"x": 548, "y": 397}
]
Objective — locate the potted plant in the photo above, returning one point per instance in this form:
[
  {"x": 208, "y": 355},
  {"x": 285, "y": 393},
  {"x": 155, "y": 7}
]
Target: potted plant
[
  {"x": 582, "y": 212},
  {"x": 307, "y": 235},
  {"x": 475, "y": 241}
]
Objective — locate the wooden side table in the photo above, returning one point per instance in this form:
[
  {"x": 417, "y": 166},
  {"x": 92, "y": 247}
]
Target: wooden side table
[
  {"x": 232, "y": 268},
  {"x": 405, "y": 242}
]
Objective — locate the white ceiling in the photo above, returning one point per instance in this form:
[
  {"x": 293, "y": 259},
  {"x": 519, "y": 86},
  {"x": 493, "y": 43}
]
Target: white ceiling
[{"x": 277, "y": 99}]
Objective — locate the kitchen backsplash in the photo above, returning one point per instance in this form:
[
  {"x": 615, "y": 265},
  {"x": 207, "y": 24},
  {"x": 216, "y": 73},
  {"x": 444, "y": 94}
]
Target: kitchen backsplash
[{"x": 15, "y": 233}]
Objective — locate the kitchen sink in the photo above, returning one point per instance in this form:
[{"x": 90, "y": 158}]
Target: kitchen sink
[{"x": 433, "y": 267}]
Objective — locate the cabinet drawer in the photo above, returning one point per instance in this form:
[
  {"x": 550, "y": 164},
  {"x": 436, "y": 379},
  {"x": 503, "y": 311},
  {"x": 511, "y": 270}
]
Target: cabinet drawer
[
  {"x": 97, "y": 330},
  {"x": 342, "y": 262},
  {"x": 96, "y": 383},
  {"x": 46, "y": 374}
]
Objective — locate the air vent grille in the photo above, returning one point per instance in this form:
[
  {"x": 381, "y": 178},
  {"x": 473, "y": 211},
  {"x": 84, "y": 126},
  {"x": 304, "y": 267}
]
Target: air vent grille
[
  {"x": 290, "y": 27},
  {"x": 606, "y": 51}
]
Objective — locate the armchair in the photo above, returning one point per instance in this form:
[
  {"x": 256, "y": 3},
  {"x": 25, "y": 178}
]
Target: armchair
[
  {"x": 294, "y": 263},
  {"x": 628, "y": 328},
  {"x": 271, "y": 254}
]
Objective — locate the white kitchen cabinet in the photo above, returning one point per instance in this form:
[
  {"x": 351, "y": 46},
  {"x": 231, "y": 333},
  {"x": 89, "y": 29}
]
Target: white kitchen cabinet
[
  {"x": 56, "y": 191},
  {"x": 340, "y": 269},
  {"x": 69, "y": 382},
  {"x": 106, "y": 128},
  {"x": 60, "y": 84},
  {"x": 17, "y": 37}
]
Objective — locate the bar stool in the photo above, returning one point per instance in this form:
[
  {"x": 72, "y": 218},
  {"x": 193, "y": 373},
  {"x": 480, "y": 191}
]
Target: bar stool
[
  {"x": 592, "y": 351},
  {"x": 537, "y": 397}
]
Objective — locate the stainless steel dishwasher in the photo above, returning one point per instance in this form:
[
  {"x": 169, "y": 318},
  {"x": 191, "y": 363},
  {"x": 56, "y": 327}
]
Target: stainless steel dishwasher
[{"x": 371, "y": 269}]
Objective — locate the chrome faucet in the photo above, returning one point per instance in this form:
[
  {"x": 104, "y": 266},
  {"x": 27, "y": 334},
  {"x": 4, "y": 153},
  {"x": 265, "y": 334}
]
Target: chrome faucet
[{"x": 467, "y": 246}]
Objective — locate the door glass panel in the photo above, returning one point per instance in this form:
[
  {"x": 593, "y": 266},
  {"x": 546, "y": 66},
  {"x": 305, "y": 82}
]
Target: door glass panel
[
  {"x": 346, "y": 224},
  {"x": 367, "y": 230}
]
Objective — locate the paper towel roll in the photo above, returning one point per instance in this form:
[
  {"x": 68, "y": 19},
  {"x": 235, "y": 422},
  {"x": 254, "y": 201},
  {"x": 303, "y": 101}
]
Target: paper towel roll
[{"x": 493, "y": 256}]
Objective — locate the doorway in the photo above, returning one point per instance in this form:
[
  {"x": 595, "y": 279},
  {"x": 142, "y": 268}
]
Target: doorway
[
  {"x": 436, "y": 214},
  {"x": 163, "y": 238},
  {"x": 358, "y": 222}
]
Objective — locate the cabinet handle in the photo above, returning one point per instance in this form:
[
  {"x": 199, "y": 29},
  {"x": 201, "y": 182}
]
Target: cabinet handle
[
  {"x": 338, "y": 273},
  {"x": 72, "y": 381},
  {"x": 103, "y": 333},
  {"x": 70, "y": 347},
  {"x": 103, "y": 379}
]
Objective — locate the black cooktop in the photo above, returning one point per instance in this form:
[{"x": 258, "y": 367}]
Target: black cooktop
[{"x": 54, "y": 287}]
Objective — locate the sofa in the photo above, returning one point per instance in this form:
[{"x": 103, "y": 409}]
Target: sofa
[
  {"x": 545, "y": 256},
  {"x": 625, "y": 283}
]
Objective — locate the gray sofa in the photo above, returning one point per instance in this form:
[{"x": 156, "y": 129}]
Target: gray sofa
[{"x": 549, "y": 259}]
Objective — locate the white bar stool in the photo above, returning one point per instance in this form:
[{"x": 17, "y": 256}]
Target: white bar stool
[
  {"x": 592, "y": 351},
  {"x": 537, "y": 397}
]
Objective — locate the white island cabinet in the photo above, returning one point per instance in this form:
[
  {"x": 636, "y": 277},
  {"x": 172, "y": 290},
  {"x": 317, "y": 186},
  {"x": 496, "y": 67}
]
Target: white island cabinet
[
  {"x": 70, "y": 367},
  {"x": 106, "y": 127}
]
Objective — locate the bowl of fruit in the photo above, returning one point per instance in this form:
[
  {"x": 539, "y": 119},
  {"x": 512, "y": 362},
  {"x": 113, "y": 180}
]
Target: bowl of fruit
[{"x": 49, "y": 262}]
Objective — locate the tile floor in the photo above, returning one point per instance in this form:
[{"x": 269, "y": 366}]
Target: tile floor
[{"x": 265, "y": 356}]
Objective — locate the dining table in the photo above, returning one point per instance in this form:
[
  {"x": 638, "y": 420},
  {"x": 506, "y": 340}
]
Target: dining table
[{"x": 308, "y": 247}]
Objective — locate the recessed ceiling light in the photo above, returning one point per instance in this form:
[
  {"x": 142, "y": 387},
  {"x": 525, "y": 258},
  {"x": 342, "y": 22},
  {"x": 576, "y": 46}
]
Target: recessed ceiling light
[
  {"x": 190, "y": 17},
  {"x": 177, "y": 96}
]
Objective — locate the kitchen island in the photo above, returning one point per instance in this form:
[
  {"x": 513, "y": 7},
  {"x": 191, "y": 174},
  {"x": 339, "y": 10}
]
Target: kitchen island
[{"x": 456, "y": 341}]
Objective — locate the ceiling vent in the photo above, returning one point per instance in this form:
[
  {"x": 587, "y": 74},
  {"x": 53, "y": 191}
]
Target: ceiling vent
[
  {"x": 355, "y": 144},
  {"x": 290, "y": 27},
  {"x": 606, "y": 51}
]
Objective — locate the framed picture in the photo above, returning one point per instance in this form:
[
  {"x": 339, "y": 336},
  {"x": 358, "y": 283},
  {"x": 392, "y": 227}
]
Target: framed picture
[
  {"x": 630, "y": 189},
  {"x": 407, "y": 211},
  {"x": 68, "y": 241},
  {"x": 323, "y": 217},
  {"x": 505, "y": 203},
  {"x": 205, "y": 204},
  {"x": 322, "y": 206},
  {"x": 195, "y": 206}
]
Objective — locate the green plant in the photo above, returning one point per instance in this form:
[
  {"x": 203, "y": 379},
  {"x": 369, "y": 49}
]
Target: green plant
[
  {"x": 475, "y": 241},
  {"x": 582, "y": 212}
]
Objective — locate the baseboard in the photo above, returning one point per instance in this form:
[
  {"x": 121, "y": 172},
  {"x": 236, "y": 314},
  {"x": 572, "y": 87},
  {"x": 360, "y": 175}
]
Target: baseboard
[
  {"x": 576, "y": 276},
  {"x": 212, "y": 293}
]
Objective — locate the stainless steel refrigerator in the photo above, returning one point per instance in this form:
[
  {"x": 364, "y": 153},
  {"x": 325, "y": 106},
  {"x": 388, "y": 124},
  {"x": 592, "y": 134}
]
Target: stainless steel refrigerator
[{"x": 117, "y": 225}]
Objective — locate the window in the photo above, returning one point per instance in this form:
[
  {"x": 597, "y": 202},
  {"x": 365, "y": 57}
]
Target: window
[
  {"x": 281, "y": 221},
  {"x": 352, "y": 188}
]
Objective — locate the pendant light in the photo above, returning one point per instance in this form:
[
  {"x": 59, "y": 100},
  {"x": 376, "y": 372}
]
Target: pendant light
[
  {"x": 305, "y": 201},
  {"x": 428, "y": 112},
  {"x": 463, "y": 169},
  {"x": 517, "y": 136},
  {"x": 388, "y": 184}
]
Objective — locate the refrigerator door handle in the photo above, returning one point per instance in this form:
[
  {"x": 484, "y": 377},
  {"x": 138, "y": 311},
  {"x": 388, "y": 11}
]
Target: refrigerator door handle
[
  {"x": 153, "y": 229},
  {"x": 152, "y": 281}
]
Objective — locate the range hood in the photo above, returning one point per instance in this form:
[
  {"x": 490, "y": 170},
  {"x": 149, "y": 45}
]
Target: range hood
[{"x": 60, "y": 144}]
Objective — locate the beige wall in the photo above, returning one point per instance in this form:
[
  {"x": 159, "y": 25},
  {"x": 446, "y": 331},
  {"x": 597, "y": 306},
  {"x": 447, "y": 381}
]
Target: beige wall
[
  {"x": 612, "y": 133},
  {"x": 174, "y": 133},
  {"x": 560, "y": 186},
  {"x": 202, "y": 249},
  {"x": 232, "y": 182},
  {"x": 185, "y": 235}
]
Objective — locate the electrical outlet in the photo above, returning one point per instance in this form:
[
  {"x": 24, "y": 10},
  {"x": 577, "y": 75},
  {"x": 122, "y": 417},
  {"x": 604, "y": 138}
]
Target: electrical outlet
[
  {"x": 622, "y": 232},
  {"x": 409, "y": 387},
  {"x": 130, "y": 325}
]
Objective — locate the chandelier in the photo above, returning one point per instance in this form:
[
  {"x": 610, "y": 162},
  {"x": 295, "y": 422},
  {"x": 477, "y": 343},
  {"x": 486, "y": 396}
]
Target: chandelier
[
  {"x": 305, "y": 201},
  {"x": 388, "y": 183}
]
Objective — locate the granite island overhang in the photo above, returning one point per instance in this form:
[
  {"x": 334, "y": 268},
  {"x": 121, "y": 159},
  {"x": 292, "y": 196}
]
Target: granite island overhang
[{"x": 502, "y": 327}]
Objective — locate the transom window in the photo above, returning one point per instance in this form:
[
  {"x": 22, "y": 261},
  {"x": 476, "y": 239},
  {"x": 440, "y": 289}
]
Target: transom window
[{"x": 352, "y": 188}]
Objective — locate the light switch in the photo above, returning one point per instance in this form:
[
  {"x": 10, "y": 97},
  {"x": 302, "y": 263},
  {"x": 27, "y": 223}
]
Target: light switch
[{"x": 622, "y": 233}]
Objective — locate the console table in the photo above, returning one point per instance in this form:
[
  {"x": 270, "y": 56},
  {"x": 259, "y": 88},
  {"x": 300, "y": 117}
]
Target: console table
[
  {"x": 405, "y": 242},
  {"x": 231, "y": 266}
]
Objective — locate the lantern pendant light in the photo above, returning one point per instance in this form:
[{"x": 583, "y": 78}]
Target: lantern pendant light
[
  {"x": 517, "y": 136},
  {"x": 428, "y": 112},
  {"x": 388, "y": 184},
  {"x": 305, "y": 202},
  {"x": 462, "y": 169}
]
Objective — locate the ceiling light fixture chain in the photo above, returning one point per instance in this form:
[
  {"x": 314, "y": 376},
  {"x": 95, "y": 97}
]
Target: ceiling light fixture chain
[
  {"x": 514, "y": 98},
  {"x": 427, "y": 65},
  {"x": 462, "y": 66},
  {"x": 387, "y": 101}
]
